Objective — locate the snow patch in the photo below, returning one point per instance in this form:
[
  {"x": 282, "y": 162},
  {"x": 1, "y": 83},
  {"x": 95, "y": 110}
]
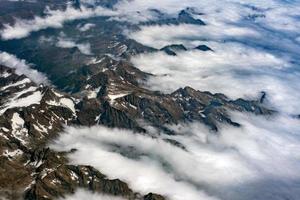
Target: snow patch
[
  {"x": 12, "y": 154},
  {"x": 68, "y": 103},
  {"x": 113, "y": 97},
  {"x": 18, "y": 130},
  {"x": 93, "y": 93},
  {"x": 64, "y": 102},
  {"x": 5, "y": 75},
  {"x": 16, "y": 101},
  {"x": 18, "y": 83}
]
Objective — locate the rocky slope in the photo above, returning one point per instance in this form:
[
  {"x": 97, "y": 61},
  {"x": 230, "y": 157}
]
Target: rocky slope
[
  {"x": 30, "y": 116},
  {"x": 110, "y": 94}
]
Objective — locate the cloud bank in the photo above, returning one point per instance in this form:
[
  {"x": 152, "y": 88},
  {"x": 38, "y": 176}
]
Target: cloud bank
[
  {"x": 84, "y": 48},
  {"x": 83, "y": 194},
  {"x": 53, "y": 19},
  {"x": 272, "y": 14},
  {"x": 22, "y": 68},
  {"x": 252, "y": 51},
  {"x": 233, "y": 69},
  {"x": 256, "y": 161},
  {"x": 86, "y": 27}
]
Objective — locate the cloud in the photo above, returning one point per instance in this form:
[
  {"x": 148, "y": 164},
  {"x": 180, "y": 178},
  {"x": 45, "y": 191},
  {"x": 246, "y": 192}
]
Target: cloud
[
  {"x": 153, "y": 35},
  {"x": 83, "y": 194},
  {"x": 144, "y": 175},
  {"x": 262, "y": 153},
  {"x": 84, "y": 48},
  {"x": 287, "y": 15},
  {"x": 86, "y": 27},
  {"x": 53, "y": 19},
  {"x": 255, "y": 45},
  {"x": 22, "y": 67},
  {"x": 233, "y": 69},
  {"x": 269, "y": 25},
  {"x": 274, "y": 14}
]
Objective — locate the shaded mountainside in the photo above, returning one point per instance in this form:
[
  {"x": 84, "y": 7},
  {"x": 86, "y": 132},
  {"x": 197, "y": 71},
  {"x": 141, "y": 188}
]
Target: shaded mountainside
[
  {"x": 30, "y": 116},
  {"x": 112, "y": 95}
]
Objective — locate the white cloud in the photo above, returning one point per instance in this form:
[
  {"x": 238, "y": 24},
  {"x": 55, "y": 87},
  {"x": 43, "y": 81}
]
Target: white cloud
[
  {"x": 53, "y": 19},
  {"x": 277, "y": 14},
  {"x": 274, "y": 14},
  {"x": 84, "y": 194},
  {"x": 84, "y": 48},
  {"x": 155, "y": 36},
  {"x": 86, "y": 27},
  {"x": 287, "y": 14},
  {"x": 22, "y": 67},
  {"x": 256, "y": 161},
  {"x": 254, "y": 43},
  {"x": 233, "y": 69},
  {"x": 143, "y": 175}
]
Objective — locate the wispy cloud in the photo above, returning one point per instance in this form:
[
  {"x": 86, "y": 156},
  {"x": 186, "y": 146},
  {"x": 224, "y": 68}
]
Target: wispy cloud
[
  {"x": 274, "y": 14},
  {"x": 84, "y": 194},
  {"x": 255, "y": 161},
  {"x": 143, "y": 175},
  {"x": 86, "y": 27},
  {"x": 186, "y": 34},
  {"x": 53, "y": 19},
  {"x": 22, "y": 67},
  {"x": 84, "y": 48}
]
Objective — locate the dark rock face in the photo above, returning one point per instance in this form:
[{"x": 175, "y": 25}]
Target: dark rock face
[
  {"x": 183, "y": 17},
  {"x": 152, "y": 196},
  {"x": 186, "y": 17},
  {"x": 203, "y": 48},
  {"x": 113, "y": 117},
  {"x": 90, "y": 109},
  {"x": 172, "y": 49}
]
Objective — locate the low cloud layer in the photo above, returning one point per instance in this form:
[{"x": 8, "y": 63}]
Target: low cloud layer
[
  {"x": 53, "y": 19},
  {"x": 84, "y": 194},
  {"x": 274, "y": 15},
  {"x": 84, "y": 48},
  {"x": 252, "y": 52},
  {"x": 22, "y": 68},
  {"x": 188, "y": 34},
  {"x": 233, "y": 69},
  {"x": 86, "y": 27},
  {"x": 256, "y": 161}
]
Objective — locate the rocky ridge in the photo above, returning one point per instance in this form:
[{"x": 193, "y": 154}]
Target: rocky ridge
[{"x": 112, "y": 95}]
